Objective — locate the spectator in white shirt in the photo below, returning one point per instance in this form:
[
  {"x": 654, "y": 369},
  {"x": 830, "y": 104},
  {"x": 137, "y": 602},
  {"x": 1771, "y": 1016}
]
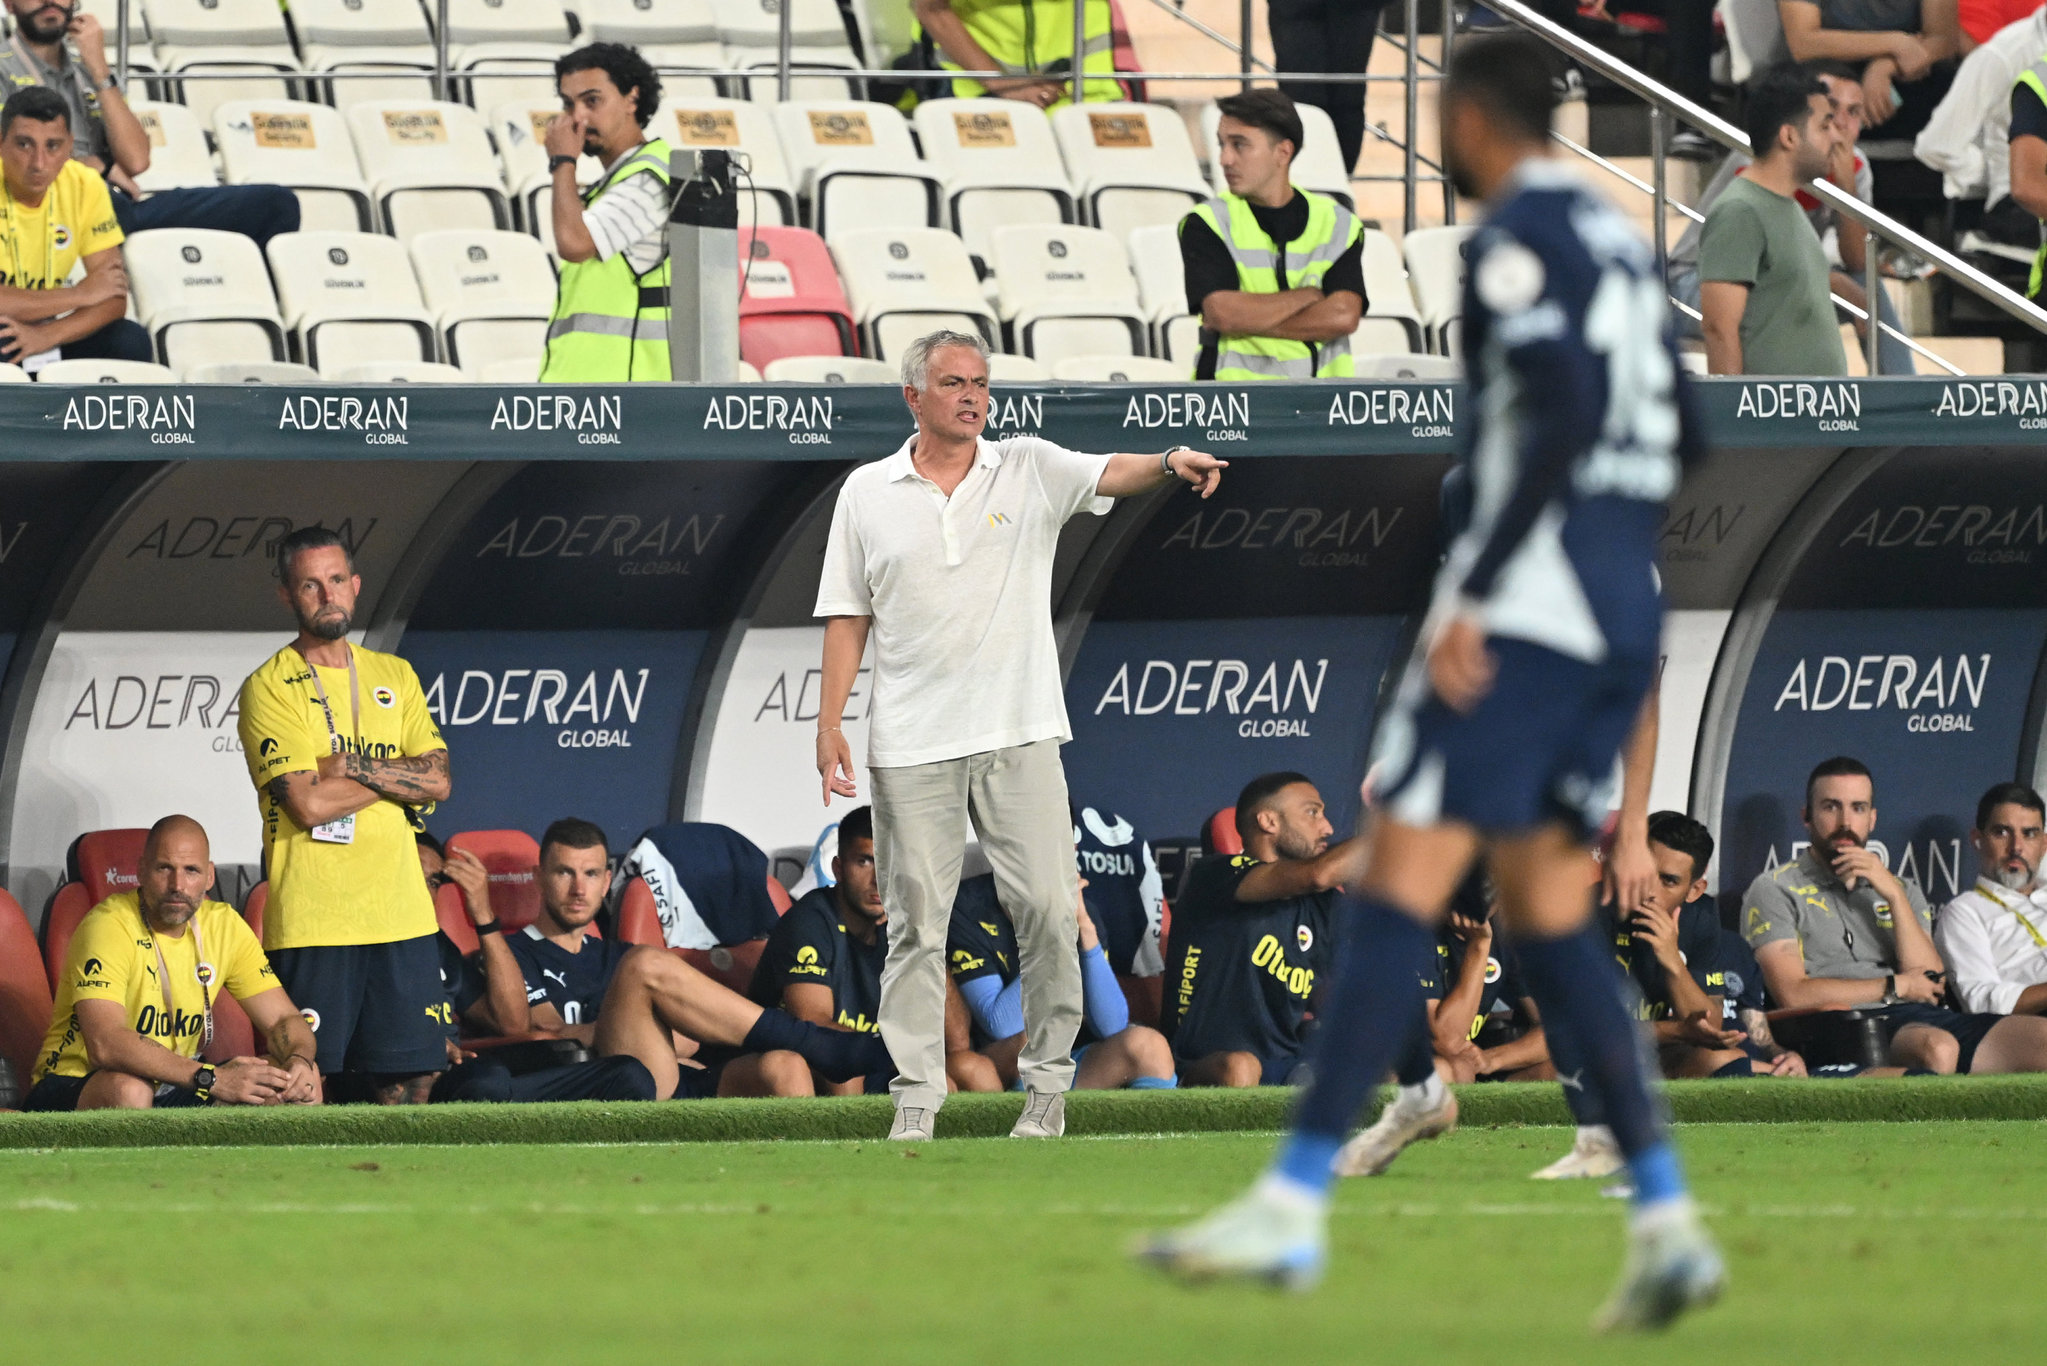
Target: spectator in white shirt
[{"x": 1994, "y": 936}]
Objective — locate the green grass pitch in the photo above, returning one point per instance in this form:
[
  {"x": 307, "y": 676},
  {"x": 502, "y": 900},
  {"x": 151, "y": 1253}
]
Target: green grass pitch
[{"x": 1848, "y": 1242}]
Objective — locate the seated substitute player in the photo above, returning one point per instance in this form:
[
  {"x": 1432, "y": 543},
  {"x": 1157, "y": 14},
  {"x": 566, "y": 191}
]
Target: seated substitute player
[
  {"x": 135, "y": 1001},
  {"x": 981, "y": 950},
  {"x": 636, "y": 999},
  {"x": 1669, "y": 946},
  {"x": 1994, "y": 936},
  {"x": 823, "y": 964},
  {"x": 1473, "y": 972},
  {"x": 1826, "y": 932},
  {"x": 489, "y": 985},
  {"x": 1539, "y": 648},
  {"x": 1251, "y": 938}
]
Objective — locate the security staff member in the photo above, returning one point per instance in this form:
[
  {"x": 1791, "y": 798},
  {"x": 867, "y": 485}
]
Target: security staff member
[
  {"x": 2029, "y": 155},
  {"x": 135, "y": 1000},
  {"x": 346, "y": 761},
  {"x": 1029, "y": 40},
  {"x": 1276, "y": 272},
  {"x": 610, "y": 320}
]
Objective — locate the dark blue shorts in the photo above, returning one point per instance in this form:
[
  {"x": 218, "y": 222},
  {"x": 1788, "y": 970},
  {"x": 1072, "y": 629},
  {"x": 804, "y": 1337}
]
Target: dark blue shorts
[
  {"x": 373, "y": 1007},
  {"x": 1969, "y": 1030},
  {"x": 61, "y": 1093},
  {"x": 1540, "y": 747},
  {"x": 486, "y": 1079}
]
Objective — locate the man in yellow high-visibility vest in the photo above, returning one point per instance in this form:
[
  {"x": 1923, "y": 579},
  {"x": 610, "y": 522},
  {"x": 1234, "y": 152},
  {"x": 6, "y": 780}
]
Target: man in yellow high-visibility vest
[
  {"x": 1031, "y": 41},
  {"x": 610, "y": 322},
  {"x": 1276, "y": 272}
]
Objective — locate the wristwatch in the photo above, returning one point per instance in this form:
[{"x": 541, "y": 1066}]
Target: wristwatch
[
  {"x": 112, "y": 82},
  {"x": 556, "y": 162},
  {"x": 1890, "y": 988},
  {"x": 202, "y": 1083}
]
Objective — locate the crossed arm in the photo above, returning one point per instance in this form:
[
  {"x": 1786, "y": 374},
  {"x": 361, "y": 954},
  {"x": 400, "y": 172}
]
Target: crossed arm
[
  {"x": 347, "y": 783},
  {"x": 1306, "y": 315}
]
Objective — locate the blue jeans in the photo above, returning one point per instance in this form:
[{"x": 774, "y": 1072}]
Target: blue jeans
[
  {"x": 1895, "y": 356},
  {"x": 259, "y": 212}
]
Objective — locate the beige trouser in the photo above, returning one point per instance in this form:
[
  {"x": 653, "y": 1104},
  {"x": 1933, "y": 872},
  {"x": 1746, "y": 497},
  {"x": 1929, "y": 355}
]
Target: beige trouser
[{"x": 1016, "y": 798}]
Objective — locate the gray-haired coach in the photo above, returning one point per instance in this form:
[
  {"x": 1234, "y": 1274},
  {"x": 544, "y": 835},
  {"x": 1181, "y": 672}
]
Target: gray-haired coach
[{"x": 944, "y": 551}]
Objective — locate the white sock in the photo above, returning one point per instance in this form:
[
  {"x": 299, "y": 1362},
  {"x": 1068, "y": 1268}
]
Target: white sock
[
  {"x": 1291, "y": 1194},
  {"x": 1425, "y": 1095},
  {"x": 1663, "y": 1216},
  {"x": 1590, "y": 1135}
]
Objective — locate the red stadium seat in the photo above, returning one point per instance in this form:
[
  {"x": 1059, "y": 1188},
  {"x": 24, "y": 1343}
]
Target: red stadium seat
[
  {"x": 454, "y": 921},
  {"x": 792, "y": 303},
  {"x": 729, "y": 965},
  {"x": 1220, "y": 834},
  {"x": 60, "y": 922},
  {"x": 1142, "y": 995},
  {"x": 233, "y": 1035},
  {"x": 253, "y": 908},
  {"x": 24, "y": 992},
  {"x": 638, "y": 921},
  {"x": 779, "y": 894},
  {"x": 512, "y": 859},
  {"x": 101, "y": 863}
]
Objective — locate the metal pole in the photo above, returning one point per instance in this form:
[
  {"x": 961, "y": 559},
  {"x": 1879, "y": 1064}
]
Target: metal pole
[
  {"x": 441, "y": 50},
  {"x": 785, "y": 42},
  {"x": 1408, "y": 146},
  {"x": 1872, "y": 288},
  {"x": 1449, "y": 190},
  {"x": 1079, "y": 71},
  {"x": 121, "y": 47},
  {"x": 1244, "y": 44},
  {"x": 1659, "y": 136}
]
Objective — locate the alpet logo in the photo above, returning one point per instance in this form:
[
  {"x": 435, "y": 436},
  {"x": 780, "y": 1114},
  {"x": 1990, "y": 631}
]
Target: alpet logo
[{"x": 1928, "y": 692}]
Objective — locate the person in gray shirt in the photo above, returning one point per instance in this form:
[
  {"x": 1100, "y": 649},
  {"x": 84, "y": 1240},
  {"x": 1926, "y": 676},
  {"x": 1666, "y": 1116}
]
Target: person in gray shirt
[
  {"x": 1827, "y": 934},
  {"x": 1907, "y": 49},
  {"x": 1763, "y": 278}
]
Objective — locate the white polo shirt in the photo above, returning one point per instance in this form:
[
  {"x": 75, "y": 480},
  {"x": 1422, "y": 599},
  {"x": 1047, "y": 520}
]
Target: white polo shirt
[
  {"x": 1994, "y": 941},
  {"x": 960, "y": 590}
]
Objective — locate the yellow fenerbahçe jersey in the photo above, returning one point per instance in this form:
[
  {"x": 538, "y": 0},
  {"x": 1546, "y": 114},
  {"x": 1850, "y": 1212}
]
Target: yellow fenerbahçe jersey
[
  {"x": 113, "y": 958},
  {"x": 40, "y": 246},
  {"x": 367, "y": 891}
]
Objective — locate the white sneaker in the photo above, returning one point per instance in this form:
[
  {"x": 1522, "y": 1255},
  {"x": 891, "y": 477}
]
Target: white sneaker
[
  {"x": 1373, "y": 1151},
  {"x": 1044, "y": 1115},
  {"x": 912, "y": 1125},
  {"x": 1262, "y": 1235},
  {"x": 1672, "y": 1266},
  {"x": 1594, "y": 1155}
]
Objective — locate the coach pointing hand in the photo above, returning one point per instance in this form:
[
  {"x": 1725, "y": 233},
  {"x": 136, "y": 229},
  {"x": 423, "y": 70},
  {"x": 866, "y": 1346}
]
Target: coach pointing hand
[{"x": 943, "y": 551}]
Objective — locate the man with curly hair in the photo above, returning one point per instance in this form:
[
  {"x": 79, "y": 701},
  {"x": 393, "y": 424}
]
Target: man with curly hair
[{"x": 610, "y": 318}]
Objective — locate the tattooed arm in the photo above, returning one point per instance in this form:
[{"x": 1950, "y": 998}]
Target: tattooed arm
[
  {"x": 411, "y": 779},
  {"x": 311, "y": 799}
]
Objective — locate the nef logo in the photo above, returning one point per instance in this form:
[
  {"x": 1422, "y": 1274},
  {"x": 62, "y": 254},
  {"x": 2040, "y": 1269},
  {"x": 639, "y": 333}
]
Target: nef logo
[
  {"x": 1341, "y": 540},
  {"x": 337, "y": 256},
  {"x": 899, "y": 251},
  {"x": 2003, "y": 535},
  {"x": 1928, "y": 693},
  {"x": 1199, "y": 686},
  {"x": 1222, "y": 416},
  {"x": 1056, "y": 248},
  {"x": 478, "y": 254},
  {"x": 1837, "y": 406},
  {"x": 191, "y": 255},
  {"x": 514, "y": 697}
]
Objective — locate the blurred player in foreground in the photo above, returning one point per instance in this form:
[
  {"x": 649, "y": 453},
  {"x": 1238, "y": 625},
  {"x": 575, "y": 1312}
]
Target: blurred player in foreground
[{"x": 1542, "y": 643}]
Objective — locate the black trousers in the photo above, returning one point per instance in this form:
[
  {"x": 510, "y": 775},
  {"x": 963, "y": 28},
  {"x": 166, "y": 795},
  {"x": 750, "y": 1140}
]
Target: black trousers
[{"x": 1327, "y": 35}]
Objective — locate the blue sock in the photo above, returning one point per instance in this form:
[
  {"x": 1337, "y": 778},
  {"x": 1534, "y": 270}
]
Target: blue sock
[
  {"x": 1417, "y": 1061},
  {"x": 1570, "y": 1064},
  {"x": 1154, "y": 1083},
  {"x": 1578, "y": 989},
  {"x": 1367, "y": 1019}
]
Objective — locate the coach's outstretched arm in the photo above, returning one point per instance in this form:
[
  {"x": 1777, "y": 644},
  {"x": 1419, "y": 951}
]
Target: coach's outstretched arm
[
  {"x": 1127, "y": 474},
  {"x": 845, "y": 640}
]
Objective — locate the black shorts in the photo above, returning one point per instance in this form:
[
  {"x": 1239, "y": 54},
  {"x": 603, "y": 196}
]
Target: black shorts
[
  {"x": 486, "y": 1079},
  {"x": 1276, "y": 1070},
  {"x": 61, "y": 1093},
  {"x": 373, "y": 1007},
  {"x": 1969, "y": 1030}
]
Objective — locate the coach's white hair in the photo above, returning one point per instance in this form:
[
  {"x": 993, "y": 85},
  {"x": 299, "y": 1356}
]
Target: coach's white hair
[{"x": 917, "y": 359}]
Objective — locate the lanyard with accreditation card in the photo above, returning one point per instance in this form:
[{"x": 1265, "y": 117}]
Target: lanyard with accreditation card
[
  {"x": 203, "y": 971},
  {"x": 2039, "y": 940},
  {"x": 341, "y": 831}
]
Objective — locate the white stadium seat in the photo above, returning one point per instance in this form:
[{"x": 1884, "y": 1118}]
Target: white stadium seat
[
  {"x": 350, "y": 299},
  {"x": 1004, "y": 368},
  {"x": 1066, "y": 291},
  {"x": 215, "y": 23},
  {"x": 12, "y": 374},
  {"x": 506, "y": 48},
  {"x": 668, "y": 33},
  {"x": 856, "y": 165},
  {"x": 520, "y": 129},
  {"x": 203, "y": 295},
  {"x": 767, "y": 191},
  {"x": 518, "y": 370},
  {"x": 303, "y": 146},
  {"x": 810, "y": 76},
  {"x": 204, "y": 97},
  {"x": 1391, "y": 321},
  {"x": 429, "y": 166},
  {"x": 490, "y": 294},
  {"x": 1132, "y": 164},
  {"x": 178, "y": 156},
  {"x": 905, "y": 282},
  {"x": 356, "y": 36},
  {"x": 830, "y": 370},
  {"x": 1162, "y": 289},
  {"x": 1407, "y": 366},
  {"x": 251, "y": 372},
  {"x": 1318, "y": 162},
  {"x": 401, "y": 372},
  {"x": 748, "y": 375},
  {"x": 999, "y": 164},
  {"x": 106, "y": 372},
  {"x": 1119, "y": 370},
  {"x": 751, "y": 33},
  {"x": 1436, "y": 268}
]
